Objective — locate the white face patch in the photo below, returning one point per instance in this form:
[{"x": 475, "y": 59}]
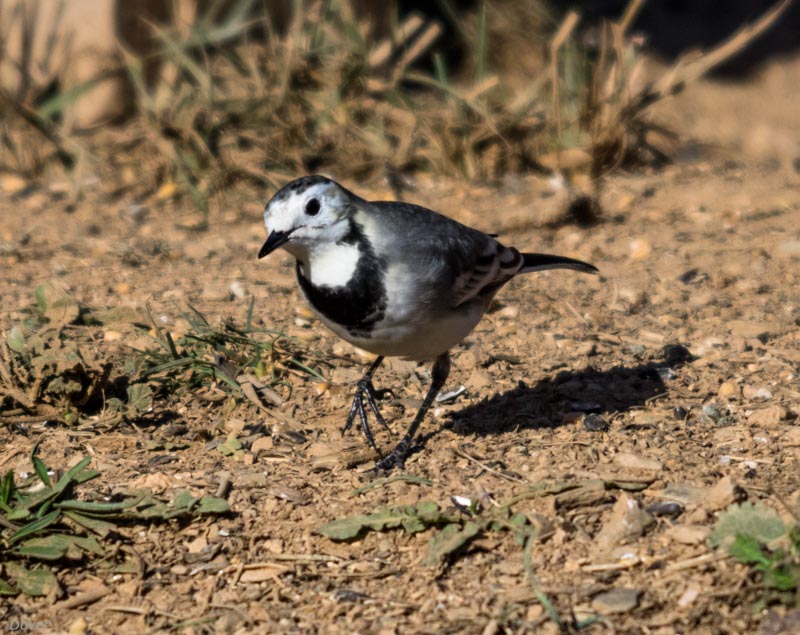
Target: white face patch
[{"x": 332, "y": 265}]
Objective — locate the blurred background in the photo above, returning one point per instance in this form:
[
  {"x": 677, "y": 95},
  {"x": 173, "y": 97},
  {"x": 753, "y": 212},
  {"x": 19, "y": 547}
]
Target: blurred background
[{"x": 196, "y": 95}]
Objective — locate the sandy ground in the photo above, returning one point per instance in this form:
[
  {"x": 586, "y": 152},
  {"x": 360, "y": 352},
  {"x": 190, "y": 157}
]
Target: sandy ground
[{"x": 704, "y": 254}]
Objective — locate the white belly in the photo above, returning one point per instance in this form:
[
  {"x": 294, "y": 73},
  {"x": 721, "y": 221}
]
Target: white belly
[{"x": 416, "y": 340}]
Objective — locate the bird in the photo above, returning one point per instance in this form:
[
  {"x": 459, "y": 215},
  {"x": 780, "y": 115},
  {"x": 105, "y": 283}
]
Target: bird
[{"x": 392, "y": 278}]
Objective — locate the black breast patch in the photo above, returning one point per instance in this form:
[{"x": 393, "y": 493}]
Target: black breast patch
[{"x": 360, "y": 304}]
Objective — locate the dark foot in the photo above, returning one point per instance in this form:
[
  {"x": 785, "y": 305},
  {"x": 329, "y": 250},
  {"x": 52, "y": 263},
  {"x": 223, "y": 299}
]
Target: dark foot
[
  {"x": 397, "y": 459},
  {"x": 366, "y": 390},
  {"x": 441, "y": 369}
]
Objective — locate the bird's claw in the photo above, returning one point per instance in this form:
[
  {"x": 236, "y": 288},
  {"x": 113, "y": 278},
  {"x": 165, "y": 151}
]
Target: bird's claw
[
  {"x": 389, "y": 462},
  {"x": 365, "y": 388}
]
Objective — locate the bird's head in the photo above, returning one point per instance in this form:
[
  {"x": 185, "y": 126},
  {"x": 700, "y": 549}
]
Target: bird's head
[{"x": 307, "y": 212}]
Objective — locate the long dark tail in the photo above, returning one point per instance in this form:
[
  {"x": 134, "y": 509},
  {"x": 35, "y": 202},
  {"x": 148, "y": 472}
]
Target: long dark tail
[{"x": 540, "y": 262}]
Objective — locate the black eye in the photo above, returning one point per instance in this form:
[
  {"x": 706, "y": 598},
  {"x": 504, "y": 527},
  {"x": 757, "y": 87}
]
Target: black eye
[{"x": 312, "y": 207}]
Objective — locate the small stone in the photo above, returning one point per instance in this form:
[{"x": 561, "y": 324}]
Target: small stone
[
  {"x": 628, "y": 521},
  {"x": 321, "y": 387},
  {"x": 595, "y": 423},
  {"x": 511, "y": 311},
  {"x": 637, "y": 462},
  {"x": 688, "y": 534},
  {"x": 693, "y": 276},
  {"x": 684, "y": 493},
  {"x": 688, "y": 598},
  {"x": 666, "y": 373},
  {"x": 216, "y": 292},
  {"x": 301, "y": 333},
  {"x": 739, "y": 345},
  {"x": 262, "y": 444},
  {"x": 77, "y": 627},
  {"x": 237, "y": 289},
  {"x": 761, "y": 331},
  {"x": 768, "y": 417},
  {"x": 680, "y": 413},
  {"x": 756, "y": 394},
  {"x": 197, "y": 545},
  {"x": 304, "y": 312},
  {"x": 728, "y": 390},
  {"x": 640, "y": 249},
  {"x": 12, "y": 183},
  {"x": 790, "y": 248},
  {"x": 478, "y": 380},
  {"x": 589, "y": 349},
  {"x": 676, "y": 354},
  {"x": 616, "y": 601},
  {"x": 716, "y": 413},
  {"x": 665, "y": 508},
  {"x": 671, "y": 321},
  {"x": 724, "y": 493},
  {"x": 635, "y": 298}
]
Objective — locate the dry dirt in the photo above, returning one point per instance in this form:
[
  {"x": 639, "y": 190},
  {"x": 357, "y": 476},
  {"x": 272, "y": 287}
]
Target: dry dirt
[{"x": 704, "y": 254}]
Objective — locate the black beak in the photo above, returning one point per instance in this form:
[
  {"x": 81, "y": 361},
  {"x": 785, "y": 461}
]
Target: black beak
[{"x": 274, "y": 240}]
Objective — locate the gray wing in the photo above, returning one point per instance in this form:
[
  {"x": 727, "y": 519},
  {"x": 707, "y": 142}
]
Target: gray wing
[{"x": 455, "y": 262}]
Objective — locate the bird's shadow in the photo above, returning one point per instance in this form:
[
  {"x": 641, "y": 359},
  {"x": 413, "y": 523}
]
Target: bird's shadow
[{"x": 545, "y": 404}]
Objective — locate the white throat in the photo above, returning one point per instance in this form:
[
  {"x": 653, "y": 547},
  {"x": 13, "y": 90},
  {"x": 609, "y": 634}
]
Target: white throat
[{"x": 332, "y": 265}]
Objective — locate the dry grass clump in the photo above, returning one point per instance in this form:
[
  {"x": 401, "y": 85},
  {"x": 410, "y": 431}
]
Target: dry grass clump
[{"x": 237, "y": 99}]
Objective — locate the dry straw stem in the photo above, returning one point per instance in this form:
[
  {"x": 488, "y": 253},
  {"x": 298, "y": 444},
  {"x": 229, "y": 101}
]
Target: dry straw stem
[
  {"x": 692, "y": 66},
  {"x": 561, "y": 36},
  {"x": 224, "y": 109},
  {"x": 616, "y": 106}
]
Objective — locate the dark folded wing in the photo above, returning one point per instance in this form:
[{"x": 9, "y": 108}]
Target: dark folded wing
[{"x": 455, "y": 262}]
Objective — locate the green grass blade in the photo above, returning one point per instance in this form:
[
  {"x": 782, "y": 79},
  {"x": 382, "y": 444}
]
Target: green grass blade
[
  {"x": 33, "y": 527},
  {"x": 70, "y": 476},
  {"x": 537, "y": 590}
]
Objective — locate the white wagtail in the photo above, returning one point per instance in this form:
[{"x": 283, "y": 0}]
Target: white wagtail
[{"x": 392, "y": 278}]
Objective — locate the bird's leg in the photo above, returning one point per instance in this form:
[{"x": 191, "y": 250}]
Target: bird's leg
[
  {"x": 365, "y": 388},
  {"x": 441, "y": 369}
]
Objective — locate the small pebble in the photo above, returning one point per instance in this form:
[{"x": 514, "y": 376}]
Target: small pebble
[
  {"x": 715, "y": 413},
  {"x": 688, "y": 598},
  {"x": 616, "y": 601},
  {"x": 640, "y": 249},
  {"x": 724, "y": 493},
  {"x": 348, "y": 595},
  {"x": 756, "y": 394},
  {"x": 637, "y": 462},
  {"x": 728, "y": 390},
  {"x": 680, "y": 413},
  {"x": 665, "y": 373},
  {"x": 237, "y": 289},
  {"x": 791, "y": 248},
  {"x": 688, "y": 534},
  {"x": 676, "y": 354},
  {"x": 595, "y": 423},
  {"x": 771, "y": 416},
  {"x": 693, "y": 276},
  {"x": 665, "y": 508}
]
